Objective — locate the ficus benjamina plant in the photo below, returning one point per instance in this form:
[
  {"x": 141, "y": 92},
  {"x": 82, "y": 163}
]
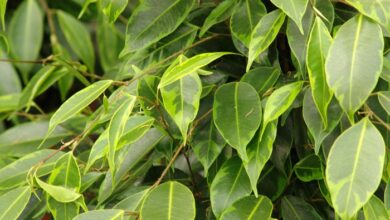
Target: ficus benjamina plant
[{"x": 194, "y": 109}]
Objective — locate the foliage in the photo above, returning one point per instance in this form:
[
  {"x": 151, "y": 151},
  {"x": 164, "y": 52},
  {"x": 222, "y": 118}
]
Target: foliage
[{"x": 194, "y": 109}]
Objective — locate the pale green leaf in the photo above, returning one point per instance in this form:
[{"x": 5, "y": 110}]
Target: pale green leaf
[
  {"x": 149, "y": 23},
  {"x": 3, "y": 7},
  {"x": 358, "y": 41},
  {"x": 264, "y": 34},
  {"x": 237, "y": 114},
  {"x": 9, "y": 83},
  {"x": 103, "y": 214},
  {"x": 249, "y": 208},
  {"x": 13, "y": 202},
  {"x": 59, "y": 193},
  {"x": 295, "y": 208},
  {"x": 354, "y": 167},
  {"x": 217, "y": 15},
  {"x": 375, "y": 209},
  {"x": 295, "y": 9},
  {"x": 169, "y": 201},
  {"x": 133, "y": 201},
  {"x": 376, "y": 9},
  {"x": 229, "y": 185},
  {"x": 384, "y": 99},
  {"x": 9, "y": 102},
  {"x": 113, "y": 8},
  {"x": 262, "y": 78}
]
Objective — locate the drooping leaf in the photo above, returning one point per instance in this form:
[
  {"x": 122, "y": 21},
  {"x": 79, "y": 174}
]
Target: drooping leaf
[
  {"x": 78, "y": 102},
  {"x": 229, "y": 185},
  {"x": 384, "y": 99},
  {"x": 169, "y": 201},
  {"x": 149, "y": 23},
  {"x": 113, "y": 8},
  {"x": 249, "y": 208},
  {"x": 354, "y": 167},
  {"x": 237, "y": 114},
  {"x": 309, "y": 169},
  {"x": 358, "y": 41},
  {"x": 259, "y": 151},
  {"x": 375, "y": 209},
  {"x": 13, "y": 202},
  {"x": 59, "y": 193},
  {"x": 317, "y": 50},
  {"x": 181, "y": 100},
  {"x": 78, "y": 38},
  {"x": 189, "y": 66},
  {"x": 264, "y": 34},
  {"x": 296, "y": 208},
  {"x": 261, "y": 78},
  {"x": 218, "y": 14},
  {"x": 244, "y": 19},
  {"x": 25, "y": 34},
  {"x": 103, "y": 214},
  {"x": 295, "y": 9}
]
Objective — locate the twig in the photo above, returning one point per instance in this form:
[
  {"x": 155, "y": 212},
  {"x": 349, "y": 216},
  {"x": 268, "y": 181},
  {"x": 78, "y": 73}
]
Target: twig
[{"x": 49, "y": 13}]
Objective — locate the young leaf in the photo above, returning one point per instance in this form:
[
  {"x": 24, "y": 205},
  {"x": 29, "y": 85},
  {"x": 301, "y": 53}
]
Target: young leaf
[
  {"x": 78, "y": 38},
  {"x": 169, "y": 201},
  {"x": 3, "y": 7},
  {"x": 249, "y": 208},
  {"x": 262, "y": 78},
  {"x": 104, "y": 214},
  {"x": 219, "y": 14},
  {"x": 25, "y": 34},
  {"x": 354, "y": 167},
  {"x": 296, "y": 208},
  {"x": 317, "y": 49},
  {"x": 181, "y": 100},
  {"x": 295, "y": 9},
  {"x": 358, "y": 41},
  {"x": 229, "y": 185},
  {"x": 259, "y": 151},
  {"x": 375, "y": 209},
  {"x": 113, "y": 8},
  {"x": 384, "y": 99},
  {"x": 264, "y": 34},
  {"x": 189, "y": 66},
  {"x": 244, "y": 19},
  {"x": 59, "y": 193},
  {"x": 237, "y": 114},
  {"x": 78, "y": 102},
  {"x": 149, "y": 23},
  {"x": 309, "y": 169},
  {"x": 13, "y": 202}
]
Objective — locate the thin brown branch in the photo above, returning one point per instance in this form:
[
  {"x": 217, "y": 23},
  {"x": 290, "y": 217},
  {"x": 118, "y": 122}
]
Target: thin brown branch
[{"x": 49, "y": 13}]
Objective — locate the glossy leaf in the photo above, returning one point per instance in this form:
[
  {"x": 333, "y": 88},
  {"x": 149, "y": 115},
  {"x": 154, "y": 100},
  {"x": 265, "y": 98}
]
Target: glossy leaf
[
  {"x": 261, "y": 78},
  {"x": 218, "y": 14},
  {"x": 375, "y": 209},
  {"x": 104, "y": 214},
  {"x": 149, "y": 23},
  {"x": 237, "y": 114},
  {"x": 264, "y": 34},
  {"x": 353, "y": 179},
  {"x": 78, "y": 102},
  {"x": 358, "y": 41},
  {"x": 309, "y": 169},
  {"x": 59, "y": 193},
  {"x": 295, "y": 9},
  {"x": 78, "y": 38},
  {"x": 296, "y": 208},
  {"x": 317, "y": 50},
  {"x": 249, "y": 208},
  {"x": 373, "y": 9},
  {"x": 384, "y": 99},
  {"x": 169, "y": 201},
  {"x": 229, "y": 185},
  {"x": 189, "y": 66},
  {"x": 13, "y": 202},
  {"x": 181, "y": 100}
]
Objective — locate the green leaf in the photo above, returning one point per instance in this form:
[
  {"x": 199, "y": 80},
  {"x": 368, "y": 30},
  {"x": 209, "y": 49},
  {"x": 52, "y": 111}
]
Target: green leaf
[
  {"x": 78, "y": 38},
  {"x": 15, "y": 174},
  {"x": 88, "y": 179},
  {"x": 309, "y": 168},
  {"x": 376, "y": 10},
  {"x": 135, "y": 128},
  {"x": 149, "y": 23},
  {"x": 317, "y": 49},
  {"x": 25, "y": 34},
  {"x": 264, "y": 34},
  {"x": 9, "y": 83},
  {"x": 9, "y": 102},
  {"x": 249, "y": 208},
  {"x": 262, "y": 78},
  {"x": 358, "y": 41},
  {"x": 375, "y": 209},
  {"x": 354, "y": 167},
  {"x": 259, "y": 151},
  {"x": 113, "y": 8},
  {"x": 386, "y": 197},
  {"x": 314, "y": 122},
  {"x": 384, "y": 99},
  {"x": 78, "y": 102},
  {"x": 181, "y": 100},
  {"x": 13, "y": 203},
  {"x": 59, "y": 193},
  {"x": 296, "y": 208},
  {"x": 279, "y": 102},
  {"x": 217, "y": 15},
  {"x": 189, "y": 66},
  {"x": 133, "y": 201},
  {"x": 295, "y": 9},
  {"x": 229, "y": 185},
  {"x": 169, "y": 201},
  {"x": 237, "y": 114},
  {"x": 104, "y": 214},
  {"x": 3, "y": 7},
  {"x": 244, "y": 19},
  {"x": 116, "y": 127}
]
